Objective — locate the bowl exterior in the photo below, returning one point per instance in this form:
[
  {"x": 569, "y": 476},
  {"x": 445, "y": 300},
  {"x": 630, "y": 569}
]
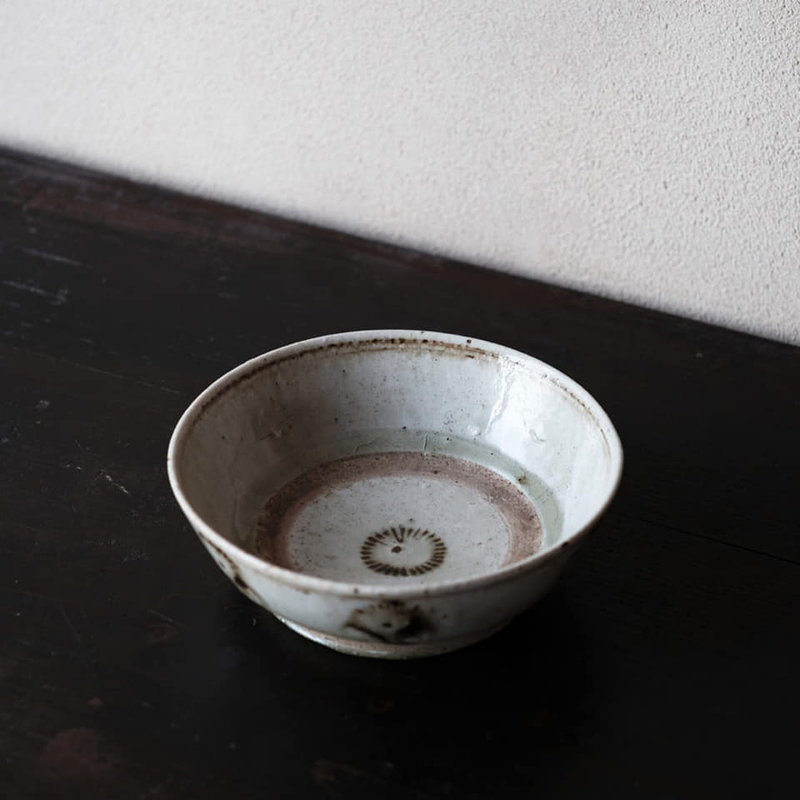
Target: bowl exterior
[
  {"x": 423, "y": 618},
  {"x": 417, "y": 623}
]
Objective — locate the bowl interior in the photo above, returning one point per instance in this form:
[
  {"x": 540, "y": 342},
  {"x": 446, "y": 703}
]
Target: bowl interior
[{"x": 381, "y": 457}]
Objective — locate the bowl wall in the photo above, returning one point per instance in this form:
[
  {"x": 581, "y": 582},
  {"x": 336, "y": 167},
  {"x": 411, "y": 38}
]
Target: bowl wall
[{"x": 279, "y": 415}]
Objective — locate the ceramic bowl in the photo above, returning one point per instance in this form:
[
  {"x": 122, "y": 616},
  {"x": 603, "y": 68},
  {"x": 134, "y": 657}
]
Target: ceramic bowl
[{"x": 394, "y": 493}]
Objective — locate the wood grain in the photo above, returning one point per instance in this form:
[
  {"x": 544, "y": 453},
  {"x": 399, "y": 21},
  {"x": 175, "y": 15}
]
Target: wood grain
[{"x": 663, "y": 666}]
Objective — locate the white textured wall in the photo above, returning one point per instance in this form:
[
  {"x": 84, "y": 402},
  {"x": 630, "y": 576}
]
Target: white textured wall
[{"x": 644, "y": 150}]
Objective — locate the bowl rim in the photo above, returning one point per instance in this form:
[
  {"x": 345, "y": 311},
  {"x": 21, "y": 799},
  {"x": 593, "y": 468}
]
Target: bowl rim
[{"x": 311, "y": 583}]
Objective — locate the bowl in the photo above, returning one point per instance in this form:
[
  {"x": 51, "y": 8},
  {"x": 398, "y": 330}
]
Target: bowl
[{"x": 394, "y": 493}]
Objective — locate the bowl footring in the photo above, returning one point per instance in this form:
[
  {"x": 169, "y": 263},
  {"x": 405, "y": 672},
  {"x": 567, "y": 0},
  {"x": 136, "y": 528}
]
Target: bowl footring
[{"x": 377, "y": 649}]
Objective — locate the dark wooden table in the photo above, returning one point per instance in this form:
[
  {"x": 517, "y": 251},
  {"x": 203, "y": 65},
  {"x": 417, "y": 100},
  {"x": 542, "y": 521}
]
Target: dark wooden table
[{"x": 665, "y": 665}]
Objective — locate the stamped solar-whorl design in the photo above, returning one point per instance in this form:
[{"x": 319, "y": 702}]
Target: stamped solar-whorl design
[{"x": 403, "y": 551}]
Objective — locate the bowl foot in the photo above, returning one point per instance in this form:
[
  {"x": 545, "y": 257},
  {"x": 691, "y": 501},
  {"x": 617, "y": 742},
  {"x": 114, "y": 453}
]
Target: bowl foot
[{"x": 376, "y": 649}]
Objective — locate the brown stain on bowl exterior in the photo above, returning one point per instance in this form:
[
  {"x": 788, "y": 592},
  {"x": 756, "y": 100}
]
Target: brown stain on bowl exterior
[
  {"x": 233, "y": 573},
  {"x": 390, "y": 622}
]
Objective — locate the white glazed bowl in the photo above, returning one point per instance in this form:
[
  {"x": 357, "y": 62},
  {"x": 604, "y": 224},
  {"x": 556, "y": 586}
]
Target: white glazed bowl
[{"x": 394, "y": 493}]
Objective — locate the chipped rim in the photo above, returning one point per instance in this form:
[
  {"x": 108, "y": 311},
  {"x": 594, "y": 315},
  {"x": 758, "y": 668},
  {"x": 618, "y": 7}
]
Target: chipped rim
[{"x": 393, "y": 338}]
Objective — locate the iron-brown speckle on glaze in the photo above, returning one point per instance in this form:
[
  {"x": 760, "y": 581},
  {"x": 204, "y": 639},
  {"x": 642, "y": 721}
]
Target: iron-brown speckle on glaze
[
  {"x": 394, "y": 493},
  {"x": 374, "y": 345},
  {"x": 403, "y": 550}
]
